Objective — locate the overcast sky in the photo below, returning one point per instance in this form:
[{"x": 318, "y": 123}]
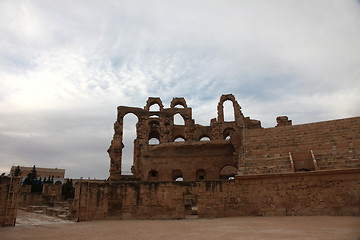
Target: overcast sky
[{"x": 66, "y": 65}]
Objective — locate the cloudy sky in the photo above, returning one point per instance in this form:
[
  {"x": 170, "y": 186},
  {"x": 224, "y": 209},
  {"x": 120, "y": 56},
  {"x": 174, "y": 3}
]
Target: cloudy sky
[{"x": 66, "y": 65}]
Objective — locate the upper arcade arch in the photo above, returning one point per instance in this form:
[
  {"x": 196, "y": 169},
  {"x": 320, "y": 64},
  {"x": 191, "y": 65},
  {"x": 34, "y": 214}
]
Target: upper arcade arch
[
  {"x": 153, "y": 100},
  {"x": 178, "y": 101},
  {"x": 237, "y": 109}
]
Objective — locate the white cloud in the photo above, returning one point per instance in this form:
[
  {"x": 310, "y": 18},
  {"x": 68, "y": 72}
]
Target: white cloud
[{"x": 65, "y": 66}]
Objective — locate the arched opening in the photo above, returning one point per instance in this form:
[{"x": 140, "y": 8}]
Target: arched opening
[
  {"x": 177, "y": 175},
  {"x": 154, "y": 138},
  {"x": 200, "y": 175},
  {"x": 154, "y": 124},
  {"x": 229, "y": 114},
  {"x": 178, "y": 119},
  {"x": 204, "y": 138},
  {"x": 153, "y": 175},
  {"x": 154, "y": 141},
  {"x": 155, "y": 107},
  {"x": 179, "y": 105},
  {"x": 228, "y": 172},
  {"x": 179, "y": 139},
  {"x": 154, "y": 116},
  {"x": 227, "y": 132},
  {"x": 129, "y": 136}
]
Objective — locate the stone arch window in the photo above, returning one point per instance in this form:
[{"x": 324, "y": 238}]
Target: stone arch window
[
  {"x": 129, "y": 135},
  {"x": 178, "y": 119},
  {"x": 178, "y": 102},
  {"x": 178, "y": 105},
  {"x": 154, "y": 116},
  {"x": 227, "y": 132},
  {"x": 154, "y": 138},
  {"x": 229, "y": 113},
  {"x": 200, "y": 175},
  {"x": 177, "y": 175},
  {"x": 153, "y": 175},
  {"x": 228, "y": 172},
  {"x": 179, "y": 139},
  {"x": 151, "y": 101},
  {"x": 204, "y": 138},
  {"x": 155, "y": 107},
  {"x": 235, "y": 106},
  {"x": 154, "y": 124}
]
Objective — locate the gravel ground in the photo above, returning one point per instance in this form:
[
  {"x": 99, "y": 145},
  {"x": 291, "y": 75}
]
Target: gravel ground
[{"x": 37, "y": 226}]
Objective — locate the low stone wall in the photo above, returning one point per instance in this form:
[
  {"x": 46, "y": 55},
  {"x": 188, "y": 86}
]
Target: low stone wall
[
  {"x": 51, "y": 194},
  {"x": 335, "y": 192}
]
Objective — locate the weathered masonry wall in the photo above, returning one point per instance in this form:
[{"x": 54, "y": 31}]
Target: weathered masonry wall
[
  {"x": 9, "y": 193},
  {"x": 335, "y": 145},
  {"x": 332, "y": 192},
  {"x": 90, "y": 201},
  {"x": 188, "y": 159}
]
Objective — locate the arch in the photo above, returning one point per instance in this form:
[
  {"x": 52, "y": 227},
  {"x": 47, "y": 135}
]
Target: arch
[
  {"x": 227, "y": 172},
  {"x": 155, "y": 107},
  {"x": 129, "y": 135},
  {"x": 178, "y": 102},
  {"x": 179, "y": 139},
  {"x": 154, "y": 137},
  {"x": 227, "y": 132},
  {"x": 154, "y": 123},
  {"x": 154, "y": 116},
  {"x": 153, "y": 175},
  {"x": 236, "y": 107},
  {"x": 204, "y": 137},
  {"x": 153, "y": 141},
  {"x": 179, "y": 119},
  {"x": 177, "y": 175},
  {"x": 200, "y": 175},
  {"x": 229, "y": 111},
  {"x": 154, "y": 100}
]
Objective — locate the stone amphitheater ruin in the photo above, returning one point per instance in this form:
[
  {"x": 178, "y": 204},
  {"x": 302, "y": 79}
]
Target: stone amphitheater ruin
[{"x": 242, "y": 169}]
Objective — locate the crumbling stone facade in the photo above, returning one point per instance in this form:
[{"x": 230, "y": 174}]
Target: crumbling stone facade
[
  {"x": 9, "y": 199},
  {"x": 237, "y": 147},
  {"x": 243, "y": 169},
  {"x": 191, "y": 159}
]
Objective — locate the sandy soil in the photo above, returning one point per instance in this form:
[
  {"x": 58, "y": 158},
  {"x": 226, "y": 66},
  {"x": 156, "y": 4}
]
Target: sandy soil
[{"x": 318, "y": 227}]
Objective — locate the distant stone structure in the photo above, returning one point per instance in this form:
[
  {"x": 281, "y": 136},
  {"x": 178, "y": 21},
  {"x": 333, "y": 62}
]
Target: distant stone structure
[
  {"x": 242, "y": 169},
  {"x": 57, "y": 175}
]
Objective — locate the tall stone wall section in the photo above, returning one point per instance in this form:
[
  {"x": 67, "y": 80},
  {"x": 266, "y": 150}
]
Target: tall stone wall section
[
  {"x": 335, "y": 145},
  {"x": 332, "y": 192},
  {"x": 9, "y": 199}
]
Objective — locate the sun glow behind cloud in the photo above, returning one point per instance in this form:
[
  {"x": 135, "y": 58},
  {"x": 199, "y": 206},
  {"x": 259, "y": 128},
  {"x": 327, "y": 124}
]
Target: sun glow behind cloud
[{"x": 65, "y": 66}]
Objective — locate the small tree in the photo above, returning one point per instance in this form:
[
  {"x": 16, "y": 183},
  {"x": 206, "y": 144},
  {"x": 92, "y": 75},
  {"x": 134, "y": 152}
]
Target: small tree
[
  {"x": 17, "y": 171},
  {"x": 68, "y": 190},
  {"x": 31, "y": 179}
]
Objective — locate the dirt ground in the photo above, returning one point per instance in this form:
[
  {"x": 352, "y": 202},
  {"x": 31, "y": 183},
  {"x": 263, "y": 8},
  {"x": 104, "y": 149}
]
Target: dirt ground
[{"x": 37, "y": 226}]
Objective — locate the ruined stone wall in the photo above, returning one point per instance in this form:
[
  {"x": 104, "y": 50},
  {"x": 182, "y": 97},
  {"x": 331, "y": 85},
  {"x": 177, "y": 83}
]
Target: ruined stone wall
[
  {"x": 9, "y": 194},
  {"x": 90, "y": 201},
  {"x": 333, "y": 192},
  {"x": 149, "y": 164},
  {"x": 51, "y": 194},
  {"x": 335, "y": 145},
  {"x": 186, "y": 160}
]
